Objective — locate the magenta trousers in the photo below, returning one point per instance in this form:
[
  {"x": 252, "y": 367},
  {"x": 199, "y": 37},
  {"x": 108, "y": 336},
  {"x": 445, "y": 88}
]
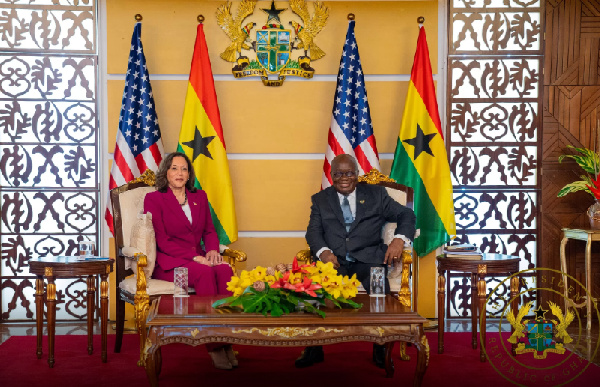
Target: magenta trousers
[{"x": 206, "y": 280}]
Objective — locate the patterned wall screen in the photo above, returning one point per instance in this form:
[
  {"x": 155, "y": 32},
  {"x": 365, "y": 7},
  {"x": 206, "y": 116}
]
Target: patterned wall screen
[
  {"x": 49, "y": 183},
  {"x": 495, "y": 64}
]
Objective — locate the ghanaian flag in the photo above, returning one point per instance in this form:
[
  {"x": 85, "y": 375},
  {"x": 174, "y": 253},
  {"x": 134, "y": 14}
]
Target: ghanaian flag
[
  {"x": 420, "y": 160},
  {"x": 201, "y": 138}
]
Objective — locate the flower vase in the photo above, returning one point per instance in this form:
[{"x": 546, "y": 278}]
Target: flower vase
[{"x": 593, "y": 213}]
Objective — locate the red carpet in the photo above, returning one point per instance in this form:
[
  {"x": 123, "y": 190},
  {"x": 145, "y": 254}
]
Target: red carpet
[{"x": 345, "y": 365}]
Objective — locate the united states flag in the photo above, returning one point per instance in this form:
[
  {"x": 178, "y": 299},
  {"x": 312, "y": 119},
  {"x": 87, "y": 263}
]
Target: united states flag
[
  {"x": 139, "y": 144},
  {"x": 351, "y": 130}
]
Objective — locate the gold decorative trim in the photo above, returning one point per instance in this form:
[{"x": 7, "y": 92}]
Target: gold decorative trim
[
  {"x": 104, "y": 289},
  {"x": 39, "y": 287},
  {"x": 48, "y": 272},
  {"x": 304, "y": 256},
  {"x": 426, "y": 344},
  {"x": 195, "y": 332},
  {"x": 148, "y": 177},
  {"x": 405, "y": 294},
  {"x": 380, "y": 330},
  {"x": 441, "y": 284},
  {"x": 482, "y": 269},
  {"x": 234, "y": 256},
  {"x": 51, "y": 292},
  {"x": 141, "y": 305},
  {"x": 403, "y": 355},
  {"x": 288, "y": 332},
  {"x": 375, "y": 177}
]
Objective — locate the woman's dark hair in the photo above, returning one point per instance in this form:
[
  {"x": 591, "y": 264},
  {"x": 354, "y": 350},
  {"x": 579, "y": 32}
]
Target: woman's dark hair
[{"x": 161, "y": 176}]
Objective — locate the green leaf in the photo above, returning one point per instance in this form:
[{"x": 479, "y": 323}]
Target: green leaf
[
  {"x": 575, "y": 186},
  {"x": 276, "y": 312},
  {"x": 309, "y": 308},
  {"x": 222, "y": 301},
  {"x": 588, "y": 160}
]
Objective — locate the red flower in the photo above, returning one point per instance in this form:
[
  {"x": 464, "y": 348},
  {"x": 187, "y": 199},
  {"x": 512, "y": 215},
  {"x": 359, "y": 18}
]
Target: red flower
[{"x": 596, "y": 188}]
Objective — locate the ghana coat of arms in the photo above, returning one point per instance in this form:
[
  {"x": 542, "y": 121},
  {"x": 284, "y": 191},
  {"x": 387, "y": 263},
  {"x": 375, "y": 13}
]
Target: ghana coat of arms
[{"x": 272, "y": 45}]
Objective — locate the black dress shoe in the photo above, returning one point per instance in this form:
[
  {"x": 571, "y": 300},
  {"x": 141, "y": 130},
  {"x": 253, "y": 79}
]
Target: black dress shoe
[
  {"x": 310, "y": 356},
  {"x": 379, "y": 356}
]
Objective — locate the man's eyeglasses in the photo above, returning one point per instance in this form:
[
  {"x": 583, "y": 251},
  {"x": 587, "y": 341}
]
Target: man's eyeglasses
[{"x": 338, "y": 175}]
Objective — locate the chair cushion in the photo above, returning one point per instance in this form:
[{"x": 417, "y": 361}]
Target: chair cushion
[
  {"x": 144, "y": 240},
  {"x": 154, "y": 286},
  {"x": 132, "y": 204}
]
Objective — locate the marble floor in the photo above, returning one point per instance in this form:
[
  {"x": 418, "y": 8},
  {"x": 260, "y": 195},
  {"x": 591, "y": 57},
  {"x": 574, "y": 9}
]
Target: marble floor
[{"x": 583, "y": 344}]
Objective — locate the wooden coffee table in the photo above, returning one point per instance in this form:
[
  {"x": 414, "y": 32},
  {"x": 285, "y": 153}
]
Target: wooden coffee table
[
  {"x": 193, "y": 321},
  {"x": 68, "y": 267}
]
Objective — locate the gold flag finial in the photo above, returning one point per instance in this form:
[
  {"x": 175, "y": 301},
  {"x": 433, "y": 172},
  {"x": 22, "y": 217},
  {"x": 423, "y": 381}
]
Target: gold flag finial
[
  {"x": 420, "y": 20},
  {"x": 200, "y": 19},
  {"x": 351, "y": 16},
  {"x": 138, "y": 17}
]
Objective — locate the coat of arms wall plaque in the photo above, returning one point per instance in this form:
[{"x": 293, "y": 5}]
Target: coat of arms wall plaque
[{"x": 272, "y": 51}]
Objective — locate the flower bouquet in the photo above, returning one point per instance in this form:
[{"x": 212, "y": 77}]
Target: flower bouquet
[{"x": 285, "y": 289}]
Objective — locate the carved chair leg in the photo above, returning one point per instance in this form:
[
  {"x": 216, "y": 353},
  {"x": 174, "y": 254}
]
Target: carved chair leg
[
  {"x": 141, "y": 306},
  {"x": 403, "y": 354}
]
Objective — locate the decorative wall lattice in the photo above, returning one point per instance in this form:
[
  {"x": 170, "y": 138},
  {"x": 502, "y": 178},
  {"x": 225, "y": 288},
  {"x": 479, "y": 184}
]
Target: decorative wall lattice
[
  {"x": 49, "y": 183},
  {"x": 495, "y": 63}
]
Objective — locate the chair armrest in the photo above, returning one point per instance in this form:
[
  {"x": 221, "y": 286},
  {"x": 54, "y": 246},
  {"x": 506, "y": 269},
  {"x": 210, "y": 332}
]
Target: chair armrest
[
  {"x": 130, "y": 252},
  {"x": 233, "y": 256},
  {"x": 304, "y": 256}
]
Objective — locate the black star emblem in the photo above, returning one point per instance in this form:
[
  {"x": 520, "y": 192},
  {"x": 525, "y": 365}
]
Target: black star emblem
[
  {"x": 200, "y": 145},
  {"x": 421, "y": 142},
  {"x": 539, "y": 313},
  {"x": 273, "y": 12}
]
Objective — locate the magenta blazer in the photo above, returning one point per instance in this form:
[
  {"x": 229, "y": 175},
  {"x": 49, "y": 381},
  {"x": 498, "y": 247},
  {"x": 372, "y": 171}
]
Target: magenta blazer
[{"x": 177, "y": 240}]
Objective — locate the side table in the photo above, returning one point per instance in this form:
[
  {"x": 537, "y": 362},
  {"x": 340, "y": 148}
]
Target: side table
[
  {"x": 588, "y": 236},
  {"x": 490, "y": 264},
  {"x": 52, "y": 268}
]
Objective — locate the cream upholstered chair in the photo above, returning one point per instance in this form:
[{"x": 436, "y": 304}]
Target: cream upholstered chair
[
  {"x": 135, "y": 247},
  {"x": 400, "y": 277}
]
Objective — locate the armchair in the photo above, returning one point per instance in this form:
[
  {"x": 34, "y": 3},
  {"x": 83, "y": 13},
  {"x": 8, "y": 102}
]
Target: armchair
[{"x": 135, "y": 248}]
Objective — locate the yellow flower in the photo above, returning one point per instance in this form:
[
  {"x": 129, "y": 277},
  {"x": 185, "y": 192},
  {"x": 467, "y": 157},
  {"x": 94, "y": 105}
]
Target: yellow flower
[
  {"x": 270, "y": 279},
  {"x": 259, "y": 273}
]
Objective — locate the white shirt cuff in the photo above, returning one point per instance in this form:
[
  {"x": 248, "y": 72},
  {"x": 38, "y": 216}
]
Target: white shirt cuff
[
  {"x": 407, "y": 241},
  {"x": 321, "y": 251}
]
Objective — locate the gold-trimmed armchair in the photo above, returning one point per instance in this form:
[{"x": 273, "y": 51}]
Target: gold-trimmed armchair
[
  {"x": 400, "y": 277},
  {"x": 135, "y": 248}
]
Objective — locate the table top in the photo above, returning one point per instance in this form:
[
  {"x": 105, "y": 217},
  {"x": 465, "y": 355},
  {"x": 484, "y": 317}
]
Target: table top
[
  {"x": 495, "y": 263},
  {"x": 63, "y": 266},
  {"x": 169, "y": 310},
  {"x": 67, "y": 260}
]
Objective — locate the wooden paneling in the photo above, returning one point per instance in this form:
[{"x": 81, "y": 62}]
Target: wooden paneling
[{"x": 571, "y": 114}]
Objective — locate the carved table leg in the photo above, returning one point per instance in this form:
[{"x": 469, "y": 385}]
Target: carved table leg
[
  {"x": 389, "y": 367},
  {"x": 588, "y": 282},
  {"x": 151, "y": 369},
  {"x": 104, "y": 311},
  {"x": 158, "y": 355},
  {"x": 474, "y": 301},
  {"x": 91, "y": 293},
  {"x": 51, "y": 304},
  {"x": 403, "y": 355},
  {"x": 441, "y": 309},
  {"x": 563, "y": 269},
  {"x": 422, "y": 358},
  {"x": 39, "y": 313},
  {"x": 481, "y": 292},
  {"x": 514, "y": 292}
]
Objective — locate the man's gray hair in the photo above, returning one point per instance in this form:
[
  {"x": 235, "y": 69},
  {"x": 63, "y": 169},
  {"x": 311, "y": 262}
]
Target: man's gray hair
[{"x": 344, "y": 156}]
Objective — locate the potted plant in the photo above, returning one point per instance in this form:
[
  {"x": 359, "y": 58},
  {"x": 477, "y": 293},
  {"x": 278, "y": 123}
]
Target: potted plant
[{"x": 589, "y": 161}]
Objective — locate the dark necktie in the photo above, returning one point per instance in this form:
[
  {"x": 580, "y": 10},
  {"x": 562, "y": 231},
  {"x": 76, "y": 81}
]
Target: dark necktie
[{"x": 348, "y": 218}]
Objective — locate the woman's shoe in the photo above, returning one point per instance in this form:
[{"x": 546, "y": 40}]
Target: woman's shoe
[
  {"x": 231, "y": 355},
  {"x": 219, "y": 359}
]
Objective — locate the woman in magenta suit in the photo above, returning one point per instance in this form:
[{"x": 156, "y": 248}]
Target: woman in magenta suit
[{"x": 182, "y": 222}]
